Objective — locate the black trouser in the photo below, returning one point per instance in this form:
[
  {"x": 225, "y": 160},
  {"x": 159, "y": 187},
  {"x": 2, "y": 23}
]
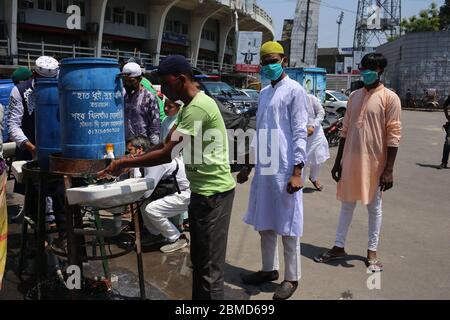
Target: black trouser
[
  {"x": 209, "y": 219},
  {"x": 446, "y": 151}
]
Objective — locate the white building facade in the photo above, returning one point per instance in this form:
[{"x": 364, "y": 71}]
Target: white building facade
[{"x": 201, "y": 30}]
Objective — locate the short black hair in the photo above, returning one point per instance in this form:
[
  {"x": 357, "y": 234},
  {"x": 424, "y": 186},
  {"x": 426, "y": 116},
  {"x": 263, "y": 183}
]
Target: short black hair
[
  {"x": 373, "y": 61},
  {"x": 140, "y": 142}
]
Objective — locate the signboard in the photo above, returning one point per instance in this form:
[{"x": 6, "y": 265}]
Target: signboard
[
  {"x": 358, "y": 55},
  {"x": 339, "y": 67},
  {"x": 247, "y": 56},
  {"x": 374, "y": 18},
  {"x": 174, "y": 38},
  {"x": 348, "y": 64}
]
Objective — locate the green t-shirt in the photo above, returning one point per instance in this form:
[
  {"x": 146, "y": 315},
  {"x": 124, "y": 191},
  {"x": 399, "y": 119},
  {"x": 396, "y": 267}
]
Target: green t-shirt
[
  {"x": 206, "y": 157},
  {"x": 148, "y": 85}
]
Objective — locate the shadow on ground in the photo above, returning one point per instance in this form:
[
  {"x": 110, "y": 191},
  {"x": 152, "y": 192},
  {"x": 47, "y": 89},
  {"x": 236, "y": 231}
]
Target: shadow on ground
[{"x": 432, "y": 166}]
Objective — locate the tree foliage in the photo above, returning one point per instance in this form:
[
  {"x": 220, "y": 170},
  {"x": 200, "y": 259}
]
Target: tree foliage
[
  {"x": 444, "y": 16},
  {"x": 428, "y": 20}
]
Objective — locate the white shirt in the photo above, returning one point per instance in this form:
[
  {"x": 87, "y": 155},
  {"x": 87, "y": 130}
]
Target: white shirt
[
  {"x": 163, "y": 171},
  {"x": 317, "y": 146},
  {"x": 282, "y": 111}
]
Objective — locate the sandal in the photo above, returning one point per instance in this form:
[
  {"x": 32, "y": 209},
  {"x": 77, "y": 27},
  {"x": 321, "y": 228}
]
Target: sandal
[
  {"x": 316, "y": 185},
  {"x": 374, "y": 265},
  {"x": 328, "y": 256}
]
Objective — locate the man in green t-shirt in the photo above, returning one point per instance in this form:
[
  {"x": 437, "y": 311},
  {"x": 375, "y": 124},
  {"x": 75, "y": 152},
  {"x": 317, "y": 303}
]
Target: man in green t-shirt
[{"x": 200, "y": 132}]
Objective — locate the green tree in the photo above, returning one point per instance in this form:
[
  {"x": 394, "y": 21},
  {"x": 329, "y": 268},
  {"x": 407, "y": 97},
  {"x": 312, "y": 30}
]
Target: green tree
[
  {"x": 444, "y": 16},
  {"x": 428, "y": 20}
]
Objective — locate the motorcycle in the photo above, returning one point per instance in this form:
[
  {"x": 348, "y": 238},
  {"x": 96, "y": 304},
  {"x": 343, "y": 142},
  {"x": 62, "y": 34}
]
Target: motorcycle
[{"x": 332, "y": 125}]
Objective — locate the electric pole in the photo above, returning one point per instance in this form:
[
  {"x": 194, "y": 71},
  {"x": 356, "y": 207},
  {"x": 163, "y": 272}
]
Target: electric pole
[{"x": 306, "y": 30}]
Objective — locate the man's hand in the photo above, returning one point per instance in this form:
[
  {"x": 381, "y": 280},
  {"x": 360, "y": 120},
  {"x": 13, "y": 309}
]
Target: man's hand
[
  {"x": 336, "y": 172},
  {"x": 387, "y": 180},
  {"x": 114, "y": 169},
  {"x": 295, "y": 184},
  {"x": 31, "y": 148},
  {"x": 242, "y": 176},
  {"x": 310, "y": 131}
]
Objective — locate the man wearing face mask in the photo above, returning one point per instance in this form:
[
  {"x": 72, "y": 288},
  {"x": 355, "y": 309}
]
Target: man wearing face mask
[
  {"x": 275, "y": 202},
  {"x": 199, "y": 126},
  {"x": 141, "y": 107},
  {"x": 364, "y": 164}
]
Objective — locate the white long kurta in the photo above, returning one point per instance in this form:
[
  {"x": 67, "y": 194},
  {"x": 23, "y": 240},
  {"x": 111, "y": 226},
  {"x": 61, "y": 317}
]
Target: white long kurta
[
  {"x": 282, "y": 109},
  {"x": 317, "y": 147}
]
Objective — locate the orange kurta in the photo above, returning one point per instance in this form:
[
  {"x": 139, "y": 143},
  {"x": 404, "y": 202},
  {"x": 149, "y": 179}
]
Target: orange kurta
[{"x": 372, "y": 123}]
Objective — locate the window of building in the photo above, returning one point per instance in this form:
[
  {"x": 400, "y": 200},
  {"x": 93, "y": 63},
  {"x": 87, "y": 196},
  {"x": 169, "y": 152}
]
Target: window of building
[
  {"x": 118, "y": 15},
  {"x": 141, "y": 20},
  {"x": 61, "y": 6},
  {"x": 169, "y": 26},
  {"x": 45, "y": 5},
  {"x": 208, "y": 35},
  {"x": 130, "y": 18},
  {"x": 108, "y": 14},
  {"x": 26, "y": 4},
  {"x": 176, "y": 27},
  {"x": 81, "y": 4},
  {"x": 184, "y": 28}
]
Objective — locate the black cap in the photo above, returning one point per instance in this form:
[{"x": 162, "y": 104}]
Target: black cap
[{"x": 174, "y": 65}]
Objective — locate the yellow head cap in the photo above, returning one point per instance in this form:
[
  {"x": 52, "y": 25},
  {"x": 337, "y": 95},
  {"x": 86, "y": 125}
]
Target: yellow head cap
[{"x": 271, "y": 47}]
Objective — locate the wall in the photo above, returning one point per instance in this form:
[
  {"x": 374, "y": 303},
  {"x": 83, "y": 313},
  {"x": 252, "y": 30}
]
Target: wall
[
  {"x": 418, "y": 61},
  {"x": 49, "y": 18},
  {"x": 123, "y": 29}
]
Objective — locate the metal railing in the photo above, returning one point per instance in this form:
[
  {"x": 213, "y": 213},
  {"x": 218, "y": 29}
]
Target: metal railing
[
  {"x": 30, "y": 51},
  {"x": 262, "y": 13},
  {"x": 125, "y": 55}
]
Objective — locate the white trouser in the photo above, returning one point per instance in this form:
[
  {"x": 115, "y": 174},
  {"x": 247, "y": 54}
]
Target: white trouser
[
  {"x": 314, "y": 171},
  {"x": 157, "y": 213},
  {"x": 269, "y": 252},
  {"x": 375, "y": 217}
]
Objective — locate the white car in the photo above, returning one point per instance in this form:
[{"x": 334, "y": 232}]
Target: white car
[{"x": 335, "y": 102}]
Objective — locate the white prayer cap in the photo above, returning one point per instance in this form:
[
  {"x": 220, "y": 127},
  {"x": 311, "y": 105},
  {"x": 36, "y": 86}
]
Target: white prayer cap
[
  {"x": 132, "y": 69},
  {"x": 47, "y": 67}
]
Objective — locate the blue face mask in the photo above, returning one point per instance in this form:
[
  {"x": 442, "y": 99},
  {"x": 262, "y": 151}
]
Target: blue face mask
[
  {"x": 369, "y": 77},
  {"x": 272, "y": 71}
]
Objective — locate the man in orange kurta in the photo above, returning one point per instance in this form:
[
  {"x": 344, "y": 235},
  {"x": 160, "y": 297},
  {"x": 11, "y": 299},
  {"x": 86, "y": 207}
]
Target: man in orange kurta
[{"x": 364, "y": 165}]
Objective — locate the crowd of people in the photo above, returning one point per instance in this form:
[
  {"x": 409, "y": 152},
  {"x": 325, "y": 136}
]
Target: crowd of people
[{"x": 166, "y": 141}]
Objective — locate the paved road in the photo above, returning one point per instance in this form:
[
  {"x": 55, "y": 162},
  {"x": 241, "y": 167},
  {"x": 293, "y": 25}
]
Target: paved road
[{"x": 415, "y": 238}]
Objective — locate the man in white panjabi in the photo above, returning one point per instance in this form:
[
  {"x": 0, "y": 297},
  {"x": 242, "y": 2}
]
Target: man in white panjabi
[
  {"x": 275, "y": 202},
  {"x": 317, "y": 147}
]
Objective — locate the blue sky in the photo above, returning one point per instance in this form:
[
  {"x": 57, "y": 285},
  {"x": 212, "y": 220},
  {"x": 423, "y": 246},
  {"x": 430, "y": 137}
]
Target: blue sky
[{"x": 284, "y": 9}]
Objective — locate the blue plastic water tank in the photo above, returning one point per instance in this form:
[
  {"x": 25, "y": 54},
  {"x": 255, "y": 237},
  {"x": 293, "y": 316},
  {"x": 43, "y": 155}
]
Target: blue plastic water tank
[
  {"x": 92, "y": 108},
  {"x": 6, "y": 87},
  {"x": 47, "y": 122}
]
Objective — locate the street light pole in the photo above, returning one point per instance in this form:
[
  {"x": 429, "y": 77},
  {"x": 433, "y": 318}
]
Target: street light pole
[{"x": 339, "y": 22}]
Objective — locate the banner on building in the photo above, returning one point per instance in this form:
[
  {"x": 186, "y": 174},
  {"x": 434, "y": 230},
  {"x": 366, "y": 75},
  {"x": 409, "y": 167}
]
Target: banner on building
[
  {"x": 348, "y": 64},
  {"x": 247, "y": 56}
]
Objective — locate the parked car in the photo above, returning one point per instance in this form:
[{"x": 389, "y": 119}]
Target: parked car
[
  {"x": 233, "y": 99},
  {"x": 250, "y": 93},
  {"x": 335, "y": 102}
]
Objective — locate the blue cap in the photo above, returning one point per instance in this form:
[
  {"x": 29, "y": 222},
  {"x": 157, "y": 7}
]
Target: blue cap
[{"x": 174, "y": 65}]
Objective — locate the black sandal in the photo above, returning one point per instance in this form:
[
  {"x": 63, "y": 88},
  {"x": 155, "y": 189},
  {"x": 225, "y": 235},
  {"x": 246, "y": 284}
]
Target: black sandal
[{"x": 318, "y": 187}]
